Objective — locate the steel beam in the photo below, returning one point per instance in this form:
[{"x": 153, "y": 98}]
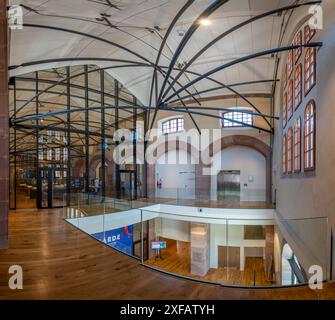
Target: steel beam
[
  {"x": 116, "y": 127},
  {"x": 238, "y": 84},
  {"x": 195, "y": 25},
  {"x": 231, "y": 30},
  {"x": 103, "y": 134},
  {"x": 240, "y": 60},
  {"x": 69, "y": 155}
]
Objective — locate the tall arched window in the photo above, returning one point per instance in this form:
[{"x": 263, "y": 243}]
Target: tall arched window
[
  {"x": 310, "y": 69},
  {"x": 289, "y": 150},
  {"x": 284, "y": 155},
  {"x": 290, "y": 100},
  {"x": 173, "y": 125},
  {"x": 297, "y": 145},
  {"x": 309, "y": 137},
  {"x": 297, "y": 41},
  {"x": 284, "y": 109},
  {"x": 308, "y": 33},
  {"x": 297, "y": 86}
]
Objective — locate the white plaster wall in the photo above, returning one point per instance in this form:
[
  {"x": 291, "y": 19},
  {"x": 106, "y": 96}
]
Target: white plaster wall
[
  {"x": 312, "y": 195},
  {"x": 177, "y": 171},
  {"x": 235, "y": 239},
  {"x": 250, "y": 163},
  {"x": 173, "y": 229}
]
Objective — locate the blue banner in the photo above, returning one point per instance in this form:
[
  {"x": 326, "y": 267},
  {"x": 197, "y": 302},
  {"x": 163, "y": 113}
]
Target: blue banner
[{"x": 121, "y": 239}]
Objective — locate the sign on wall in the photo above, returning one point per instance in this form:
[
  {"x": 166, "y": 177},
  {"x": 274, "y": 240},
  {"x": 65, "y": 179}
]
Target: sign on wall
[{"x": 120, "y": 239}]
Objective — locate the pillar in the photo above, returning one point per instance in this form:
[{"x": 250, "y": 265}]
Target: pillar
[
  {"x": 200, "y": 248},
  {"x": 4, "y": 127},
  {"x": 269, "y": 251}
]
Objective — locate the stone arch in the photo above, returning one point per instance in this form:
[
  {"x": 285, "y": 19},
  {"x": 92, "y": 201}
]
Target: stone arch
[
  {"x": 203, "y": 182},
  {"x": 245, "y": 141}
]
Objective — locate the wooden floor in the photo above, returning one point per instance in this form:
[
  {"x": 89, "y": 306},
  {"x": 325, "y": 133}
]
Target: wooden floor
[
  {"x": 61, "y": 262},
  {"x": 176, "y": 259}
]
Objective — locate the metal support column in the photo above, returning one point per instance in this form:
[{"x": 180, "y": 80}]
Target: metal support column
[
  {"x": 69, "y": 171},
  {"x": 135, "y": 151},
  {"x": 37, "y": 133},
  {"x": 15, "y": 147},
  {"x": 87, "y": 137},
  {"x": 116, "y": 127},
  {"x": 103, "y": 134},
  {"x": 145, "y": 165}
]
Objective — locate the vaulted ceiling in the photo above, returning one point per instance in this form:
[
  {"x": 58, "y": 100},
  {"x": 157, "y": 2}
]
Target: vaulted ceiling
[{"x": 134, "y": 30}]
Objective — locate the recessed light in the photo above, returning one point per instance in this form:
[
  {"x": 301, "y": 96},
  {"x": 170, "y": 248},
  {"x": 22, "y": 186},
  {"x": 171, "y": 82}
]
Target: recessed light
[{"x": 205, "y": 22}]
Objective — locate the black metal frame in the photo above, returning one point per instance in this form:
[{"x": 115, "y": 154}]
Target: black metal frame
[{"x": 160, "y": 98}]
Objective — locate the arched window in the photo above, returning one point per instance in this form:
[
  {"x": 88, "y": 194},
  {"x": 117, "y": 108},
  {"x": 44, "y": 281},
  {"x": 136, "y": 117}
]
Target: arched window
[
  {"x": 309, "y": 137},
  {"x": 289, "y": 150},
  {"x": 297, "y": 42},
  {"x": 290, "y": 100},
  {"x": 173, "y": 125},
  {"x": 297, "y": 86},
  {"x": 297, "y": 145},
  {"x": 284, "y": 155},
  {"x": 310, "y": 69},
  {"x": 289, "y": 64},
  {"x": 308, "y": 33},
  {"x": 244, "y": 117},
  {"x": 284, "y": 109}
]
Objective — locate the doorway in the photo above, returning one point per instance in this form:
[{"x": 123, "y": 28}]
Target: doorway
[
  {"x": 51, "y": 187},
  {"x": 128, "y": 182},
  {"x": 228, "y": 185},
  {"x": 229, "y": 257}
]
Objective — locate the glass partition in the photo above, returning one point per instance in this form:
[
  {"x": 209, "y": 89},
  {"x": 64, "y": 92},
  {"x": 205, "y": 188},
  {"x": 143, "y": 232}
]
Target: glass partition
[
  {"x": 226, "y": 246},
  {"x": 245, "y": 198}
]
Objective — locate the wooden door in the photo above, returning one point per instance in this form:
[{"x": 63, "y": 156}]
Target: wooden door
[{"x": 229, "y": 257}]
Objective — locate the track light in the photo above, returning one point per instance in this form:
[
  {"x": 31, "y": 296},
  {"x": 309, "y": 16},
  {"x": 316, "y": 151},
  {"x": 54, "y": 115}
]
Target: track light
[{"x": 205, "y": 22}]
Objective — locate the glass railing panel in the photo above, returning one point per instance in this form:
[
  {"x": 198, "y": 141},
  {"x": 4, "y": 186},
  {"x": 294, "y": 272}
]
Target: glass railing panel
[
  {"x": 305, "y": 249},
  {"x": 249, "y": 251},
  {"x": 245, "y": 197},
  {"x": 224, "y": 245},
  {"x": 178, "y": 242},
  {"x": 92, "y": 204},
  {"x": 120, "y": 230}
]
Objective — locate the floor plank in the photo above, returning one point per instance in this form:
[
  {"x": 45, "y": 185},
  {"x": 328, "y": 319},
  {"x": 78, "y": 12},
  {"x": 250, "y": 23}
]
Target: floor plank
[{"x": 61, "y": 262}]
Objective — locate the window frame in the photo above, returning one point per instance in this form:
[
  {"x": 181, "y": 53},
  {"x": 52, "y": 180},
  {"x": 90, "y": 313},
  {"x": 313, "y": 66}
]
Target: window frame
[
  {"x": 284, "y": 110},
  {"x": 313, "y": 75},
  {"x": 309, "y": 33},
  {"x": 289, "y": 64},
  {"x": 297, "y": 85},
  {"x": 169, "y": 121},
  {"x": 289, "y": 151},
  {"x": 284, "y": 155},
  {"x": 312, "y": 133},
  {"x": 289, "y": 101},
  {"x": 297, "y": 146},
  {"x": 235, "y": 125},
  {"x": 297, "y": 41}
]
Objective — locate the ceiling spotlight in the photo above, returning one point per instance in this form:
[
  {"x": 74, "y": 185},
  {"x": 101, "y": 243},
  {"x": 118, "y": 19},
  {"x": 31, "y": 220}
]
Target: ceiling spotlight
[{"x": 205, "y": 22}]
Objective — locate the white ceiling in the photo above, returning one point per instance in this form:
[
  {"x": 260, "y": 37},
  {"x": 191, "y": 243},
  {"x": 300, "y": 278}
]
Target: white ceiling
[{"x": 134, "y": 18}]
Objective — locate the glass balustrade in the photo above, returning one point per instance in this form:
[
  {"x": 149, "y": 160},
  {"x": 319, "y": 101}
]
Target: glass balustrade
[{"x": 249, "y": 247}]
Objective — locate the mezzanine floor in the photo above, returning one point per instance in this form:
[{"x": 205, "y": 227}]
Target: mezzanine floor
[
  {"x": 176, "y": 259},
  {"x": 61, "y": 262}
]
